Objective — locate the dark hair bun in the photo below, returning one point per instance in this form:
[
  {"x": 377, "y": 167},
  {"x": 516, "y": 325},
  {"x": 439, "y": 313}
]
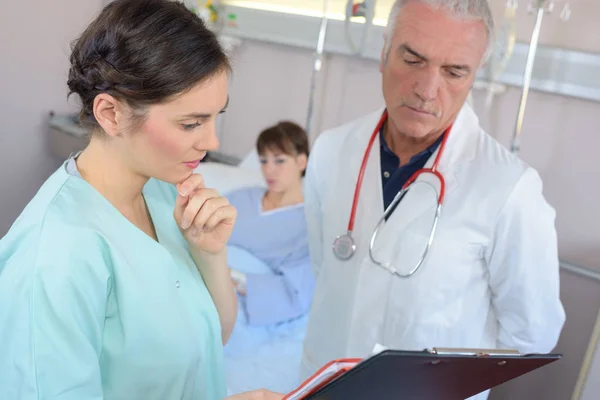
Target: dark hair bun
[{"x": 142, "y": 52}]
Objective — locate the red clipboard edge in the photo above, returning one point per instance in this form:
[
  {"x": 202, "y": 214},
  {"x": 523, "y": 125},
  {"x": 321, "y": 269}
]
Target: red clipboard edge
[{"x": 320, "y": 371}]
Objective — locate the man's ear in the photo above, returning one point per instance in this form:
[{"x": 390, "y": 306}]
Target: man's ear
[
  {"x": 108, "y": 113},
  {"x": 383, "y": 55}
]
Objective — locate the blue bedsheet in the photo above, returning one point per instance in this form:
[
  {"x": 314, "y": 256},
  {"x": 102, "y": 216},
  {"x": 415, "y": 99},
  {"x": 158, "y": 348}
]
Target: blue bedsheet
[{"x": 262, "y": 357}]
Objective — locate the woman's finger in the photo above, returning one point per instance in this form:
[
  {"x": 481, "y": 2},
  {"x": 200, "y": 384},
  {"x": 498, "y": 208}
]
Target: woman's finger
[
  {"x": 184, "y": 190},
  {"x": 194, "y": 204},
  {"x": 191, "y": 184},
  {"x": 209, "y": 209},
  {"x": 226, "y": 213}
]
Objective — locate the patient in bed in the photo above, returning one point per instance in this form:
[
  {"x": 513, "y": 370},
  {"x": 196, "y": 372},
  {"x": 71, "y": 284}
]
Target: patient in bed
[{"x": 271, "y": 227}]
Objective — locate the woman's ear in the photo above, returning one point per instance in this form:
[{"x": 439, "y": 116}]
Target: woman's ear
[
  {"x": 108, "y": 113},
  {"x": 302, "y": 161}
]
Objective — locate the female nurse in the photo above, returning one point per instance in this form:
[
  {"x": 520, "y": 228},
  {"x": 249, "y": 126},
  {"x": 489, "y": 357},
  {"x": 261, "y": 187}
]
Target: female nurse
[{"x": 114, "y": 282}]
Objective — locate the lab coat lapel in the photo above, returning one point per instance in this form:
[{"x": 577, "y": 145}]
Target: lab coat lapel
[
  {"x": 460, "y": 147},
  {"x": 370, "y": 204}
]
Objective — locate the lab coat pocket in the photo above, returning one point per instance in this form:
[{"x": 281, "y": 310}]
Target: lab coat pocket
[
  {"x": 422, "y": 307},
  {"x": 452, "y": 265}
]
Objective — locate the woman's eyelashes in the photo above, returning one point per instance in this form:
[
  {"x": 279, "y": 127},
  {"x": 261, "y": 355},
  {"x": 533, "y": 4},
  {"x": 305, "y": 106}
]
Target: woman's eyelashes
[{"x": 189, "y": 127}]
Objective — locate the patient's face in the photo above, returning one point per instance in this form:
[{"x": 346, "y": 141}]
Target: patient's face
[
  {"x": 176, "y": 135},
  {"x": 282, "y": 171}
]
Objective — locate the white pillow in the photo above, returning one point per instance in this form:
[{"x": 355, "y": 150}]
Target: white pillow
[
  {"x": 251, "y": 162},
  {"x": 226, "y": 178}
]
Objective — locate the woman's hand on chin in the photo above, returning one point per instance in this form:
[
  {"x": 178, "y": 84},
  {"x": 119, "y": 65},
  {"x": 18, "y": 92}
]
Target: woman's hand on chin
[{"x": 205, "y": 218}]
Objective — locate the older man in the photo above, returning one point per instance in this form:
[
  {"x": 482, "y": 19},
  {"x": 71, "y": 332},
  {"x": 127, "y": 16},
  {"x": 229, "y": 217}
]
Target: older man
[{"x": 490, "y": 278}]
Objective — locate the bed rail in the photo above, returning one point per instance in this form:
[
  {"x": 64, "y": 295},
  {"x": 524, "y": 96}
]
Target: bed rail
[{"x": 580, "y": 271}]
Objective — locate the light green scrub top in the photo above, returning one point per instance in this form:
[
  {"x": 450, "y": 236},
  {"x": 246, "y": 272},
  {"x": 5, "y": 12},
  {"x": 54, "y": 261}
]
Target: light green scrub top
[{"x": 93, "y": 308}]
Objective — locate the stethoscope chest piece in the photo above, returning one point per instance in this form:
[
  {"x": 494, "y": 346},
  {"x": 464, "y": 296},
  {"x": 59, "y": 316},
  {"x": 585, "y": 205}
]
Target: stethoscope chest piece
[{"x": 344, "y": 247}]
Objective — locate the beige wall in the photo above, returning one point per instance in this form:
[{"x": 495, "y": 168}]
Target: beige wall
[
  {"x": 559, "y": 134},
  {"x": 555, "y": 32},
  {"x": 559, "y": 139},
  {"x": 34, "y": 49},
  {"x": 271, "y": 82}
]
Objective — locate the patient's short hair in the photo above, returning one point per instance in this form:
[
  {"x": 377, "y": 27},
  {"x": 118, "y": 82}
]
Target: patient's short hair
[
  {"x": 142, "y": 52},
  {"x": 286, "y": 137}
]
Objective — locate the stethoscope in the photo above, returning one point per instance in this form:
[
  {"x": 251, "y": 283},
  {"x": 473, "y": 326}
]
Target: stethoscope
[{"x": 344, "y": 246}]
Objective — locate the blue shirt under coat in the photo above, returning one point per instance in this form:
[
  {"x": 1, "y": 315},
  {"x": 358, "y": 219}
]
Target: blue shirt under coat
[{"x": 394, "y": 176}]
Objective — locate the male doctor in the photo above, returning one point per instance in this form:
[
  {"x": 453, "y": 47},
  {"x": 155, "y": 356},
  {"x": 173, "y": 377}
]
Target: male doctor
[{"x": 491, "y": 276}]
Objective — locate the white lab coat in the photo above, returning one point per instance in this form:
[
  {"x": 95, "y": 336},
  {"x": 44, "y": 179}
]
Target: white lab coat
[{"x": 490, "y": 280}]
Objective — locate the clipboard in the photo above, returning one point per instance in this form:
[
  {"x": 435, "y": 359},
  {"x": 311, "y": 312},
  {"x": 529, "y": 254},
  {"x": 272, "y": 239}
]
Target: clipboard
[{"x": 438, "y": 373}]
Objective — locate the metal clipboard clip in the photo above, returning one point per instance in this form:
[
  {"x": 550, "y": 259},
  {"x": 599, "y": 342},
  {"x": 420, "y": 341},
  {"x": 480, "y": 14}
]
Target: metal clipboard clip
[{"x": 474, "y": 352}]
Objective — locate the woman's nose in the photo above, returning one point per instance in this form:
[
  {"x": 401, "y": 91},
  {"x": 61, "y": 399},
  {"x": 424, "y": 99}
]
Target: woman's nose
[
  {"x": 269, "y": 167},
  {"x": 208, "y": 140}
]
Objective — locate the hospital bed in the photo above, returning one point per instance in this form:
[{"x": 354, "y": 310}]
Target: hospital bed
[{"x": 255, "y": 357}]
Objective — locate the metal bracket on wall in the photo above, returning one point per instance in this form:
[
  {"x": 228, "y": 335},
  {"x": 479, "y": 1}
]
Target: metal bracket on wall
[{"x": 557, "y": 71}]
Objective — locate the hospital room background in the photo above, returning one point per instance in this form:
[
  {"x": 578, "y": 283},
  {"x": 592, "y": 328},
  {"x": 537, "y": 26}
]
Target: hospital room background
[{"x": 274, "y": 44}]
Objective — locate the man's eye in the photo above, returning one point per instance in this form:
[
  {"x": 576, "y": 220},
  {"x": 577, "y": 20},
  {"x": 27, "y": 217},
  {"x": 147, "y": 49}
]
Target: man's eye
[
  {"x": 412, "y": 62},
  {"x": 455, "y": 74}
]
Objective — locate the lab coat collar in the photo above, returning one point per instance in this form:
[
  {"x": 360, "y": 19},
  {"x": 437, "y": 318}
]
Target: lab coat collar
[
  {"x": 461, "y": 144},
  {"x": 460, "y": 148}
]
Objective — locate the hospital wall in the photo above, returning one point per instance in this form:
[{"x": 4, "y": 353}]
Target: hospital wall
[
  {"x": 270, "y": 83},
  {"x": 34, "y": 62},
  {"x": 560, "y": 135}
]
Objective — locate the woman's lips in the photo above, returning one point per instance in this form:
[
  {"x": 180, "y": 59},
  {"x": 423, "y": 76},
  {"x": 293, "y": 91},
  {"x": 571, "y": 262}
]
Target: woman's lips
[{"x": 192, "y": 164}]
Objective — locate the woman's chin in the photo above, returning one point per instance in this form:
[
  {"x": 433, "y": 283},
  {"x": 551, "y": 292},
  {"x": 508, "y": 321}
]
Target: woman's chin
[
  {"x": 274, "y": 188},
  {"x": 175, "y": 177}
]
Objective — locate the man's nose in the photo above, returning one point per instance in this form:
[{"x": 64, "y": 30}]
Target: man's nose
[{"x": 427, "y": 85}]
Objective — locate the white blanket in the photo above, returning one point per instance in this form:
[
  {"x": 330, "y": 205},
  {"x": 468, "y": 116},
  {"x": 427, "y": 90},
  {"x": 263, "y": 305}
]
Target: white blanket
[{"x": 261, "y": 357}]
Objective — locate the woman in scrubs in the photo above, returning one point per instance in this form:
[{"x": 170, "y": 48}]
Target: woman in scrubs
[{"x": 114, "y": 282}]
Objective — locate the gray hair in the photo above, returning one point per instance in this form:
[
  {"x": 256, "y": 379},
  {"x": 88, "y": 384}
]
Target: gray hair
[{"x": 467, "y": 9}]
